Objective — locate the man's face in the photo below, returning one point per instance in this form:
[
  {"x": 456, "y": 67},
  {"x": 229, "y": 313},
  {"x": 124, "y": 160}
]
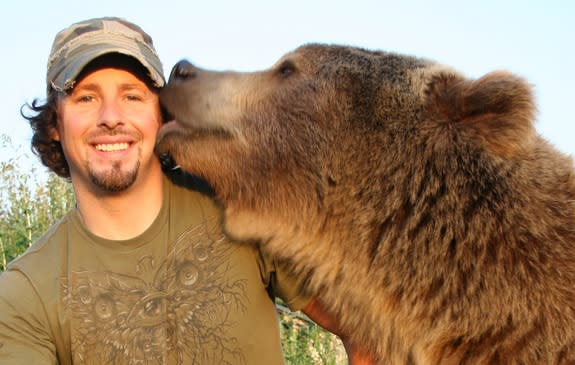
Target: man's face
[{"x": 107, "y": 127}]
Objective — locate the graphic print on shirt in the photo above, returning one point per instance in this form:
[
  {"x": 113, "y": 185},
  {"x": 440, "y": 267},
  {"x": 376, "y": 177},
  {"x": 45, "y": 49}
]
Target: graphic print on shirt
[{"x": 174, "y": 312}]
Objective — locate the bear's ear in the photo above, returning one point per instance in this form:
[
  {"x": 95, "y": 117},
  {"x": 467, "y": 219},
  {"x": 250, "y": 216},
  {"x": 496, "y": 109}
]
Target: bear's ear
[{"x": 498, "y": 109}]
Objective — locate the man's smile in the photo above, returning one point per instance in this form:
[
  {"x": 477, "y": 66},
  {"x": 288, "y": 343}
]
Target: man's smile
[{"x": 112, "y": 147}]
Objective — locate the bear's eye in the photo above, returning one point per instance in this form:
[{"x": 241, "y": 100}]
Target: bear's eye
[{"x": 286, "y": 69}]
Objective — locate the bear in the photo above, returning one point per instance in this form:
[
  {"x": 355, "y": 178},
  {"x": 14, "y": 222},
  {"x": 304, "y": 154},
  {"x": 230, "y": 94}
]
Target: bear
[{"x": 420, "y": 204}]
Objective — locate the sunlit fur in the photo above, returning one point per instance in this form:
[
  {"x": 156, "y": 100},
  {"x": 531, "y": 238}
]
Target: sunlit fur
[{"x": 422, "y": 205}]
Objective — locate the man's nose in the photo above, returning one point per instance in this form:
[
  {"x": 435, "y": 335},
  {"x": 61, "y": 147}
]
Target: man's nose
[{"x": 110, "y": 114}]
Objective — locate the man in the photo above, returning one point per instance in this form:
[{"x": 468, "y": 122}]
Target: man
[{"x": 139, "y": 271}]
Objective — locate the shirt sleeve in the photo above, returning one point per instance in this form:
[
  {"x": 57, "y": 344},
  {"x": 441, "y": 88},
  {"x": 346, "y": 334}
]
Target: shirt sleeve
[
  {"x": 24, "y": 330},
  {"x": 284, "y": 283}
]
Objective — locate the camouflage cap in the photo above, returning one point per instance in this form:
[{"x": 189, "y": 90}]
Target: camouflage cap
[{"x": 82, "y": 42}]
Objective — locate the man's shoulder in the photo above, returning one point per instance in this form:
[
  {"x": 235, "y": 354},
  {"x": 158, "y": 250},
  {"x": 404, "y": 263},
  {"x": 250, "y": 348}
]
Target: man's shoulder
[{"x": 192, "y": 195}]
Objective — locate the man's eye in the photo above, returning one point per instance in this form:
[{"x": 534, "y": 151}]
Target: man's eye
[
  {"x": 84, "y": 98},
  {"x": 133, "y": 97}
]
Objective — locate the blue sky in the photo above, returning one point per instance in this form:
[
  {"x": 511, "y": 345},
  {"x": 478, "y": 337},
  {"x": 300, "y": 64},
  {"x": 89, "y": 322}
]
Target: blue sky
[{"x": 534, "y": 39}]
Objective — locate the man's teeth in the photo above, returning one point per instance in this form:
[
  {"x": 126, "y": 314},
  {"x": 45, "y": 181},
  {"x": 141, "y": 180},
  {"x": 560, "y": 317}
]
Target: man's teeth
[{"x": 112, "y": 147}]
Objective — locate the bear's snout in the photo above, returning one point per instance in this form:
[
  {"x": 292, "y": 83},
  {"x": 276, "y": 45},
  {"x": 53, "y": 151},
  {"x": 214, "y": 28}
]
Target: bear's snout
[{"x": 182, "y": 71}]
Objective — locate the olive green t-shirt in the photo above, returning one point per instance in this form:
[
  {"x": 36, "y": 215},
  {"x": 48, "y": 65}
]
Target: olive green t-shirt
[{"x": 180, "y": 293}]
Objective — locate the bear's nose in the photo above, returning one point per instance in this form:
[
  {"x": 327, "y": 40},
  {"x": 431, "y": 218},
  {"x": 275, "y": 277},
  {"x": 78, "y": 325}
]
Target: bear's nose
[{"x": 183, "y": 70}]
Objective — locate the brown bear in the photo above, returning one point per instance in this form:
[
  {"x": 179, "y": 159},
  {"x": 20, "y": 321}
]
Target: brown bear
[{"x": 421, "y": 205}]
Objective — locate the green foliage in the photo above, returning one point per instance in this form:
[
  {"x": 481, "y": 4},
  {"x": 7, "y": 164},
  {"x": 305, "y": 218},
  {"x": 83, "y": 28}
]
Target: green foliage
[
  {"x": 306, "y": 343},
  {"x": 33, "y": 201}
]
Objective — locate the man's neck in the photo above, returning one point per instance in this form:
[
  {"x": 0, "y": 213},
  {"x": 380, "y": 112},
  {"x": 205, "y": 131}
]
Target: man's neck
[{"x": 124, "y": 215}]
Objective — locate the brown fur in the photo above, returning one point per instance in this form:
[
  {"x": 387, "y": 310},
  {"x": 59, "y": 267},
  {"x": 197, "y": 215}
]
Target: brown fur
[{"x": 423, "y": 206}]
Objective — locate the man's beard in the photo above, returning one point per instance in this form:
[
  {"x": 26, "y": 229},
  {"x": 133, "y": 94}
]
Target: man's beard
[{"x": 114, "y": 180}]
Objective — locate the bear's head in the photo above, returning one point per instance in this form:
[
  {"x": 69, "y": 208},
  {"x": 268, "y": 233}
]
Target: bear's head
[{"x": 329, "y": 127}]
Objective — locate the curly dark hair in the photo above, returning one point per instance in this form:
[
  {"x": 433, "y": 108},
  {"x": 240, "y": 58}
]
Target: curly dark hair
[
  {"x": 44, "y": 120},
  {"x": 44, "y": 123}
]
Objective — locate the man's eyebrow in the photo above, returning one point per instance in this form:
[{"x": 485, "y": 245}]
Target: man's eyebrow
[
  {"x": 133, "y": 85},
  {"x": 123, "y": 87},
  {"x": 87, "y": 87}
]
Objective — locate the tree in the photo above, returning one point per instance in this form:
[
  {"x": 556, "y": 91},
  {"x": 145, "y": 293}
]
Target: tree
[{"x": 31, "y": 202}]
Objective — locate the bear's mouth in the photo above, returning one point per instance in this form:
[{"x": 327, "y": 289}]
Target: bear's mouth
[{"x": 175, "y": 127}]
